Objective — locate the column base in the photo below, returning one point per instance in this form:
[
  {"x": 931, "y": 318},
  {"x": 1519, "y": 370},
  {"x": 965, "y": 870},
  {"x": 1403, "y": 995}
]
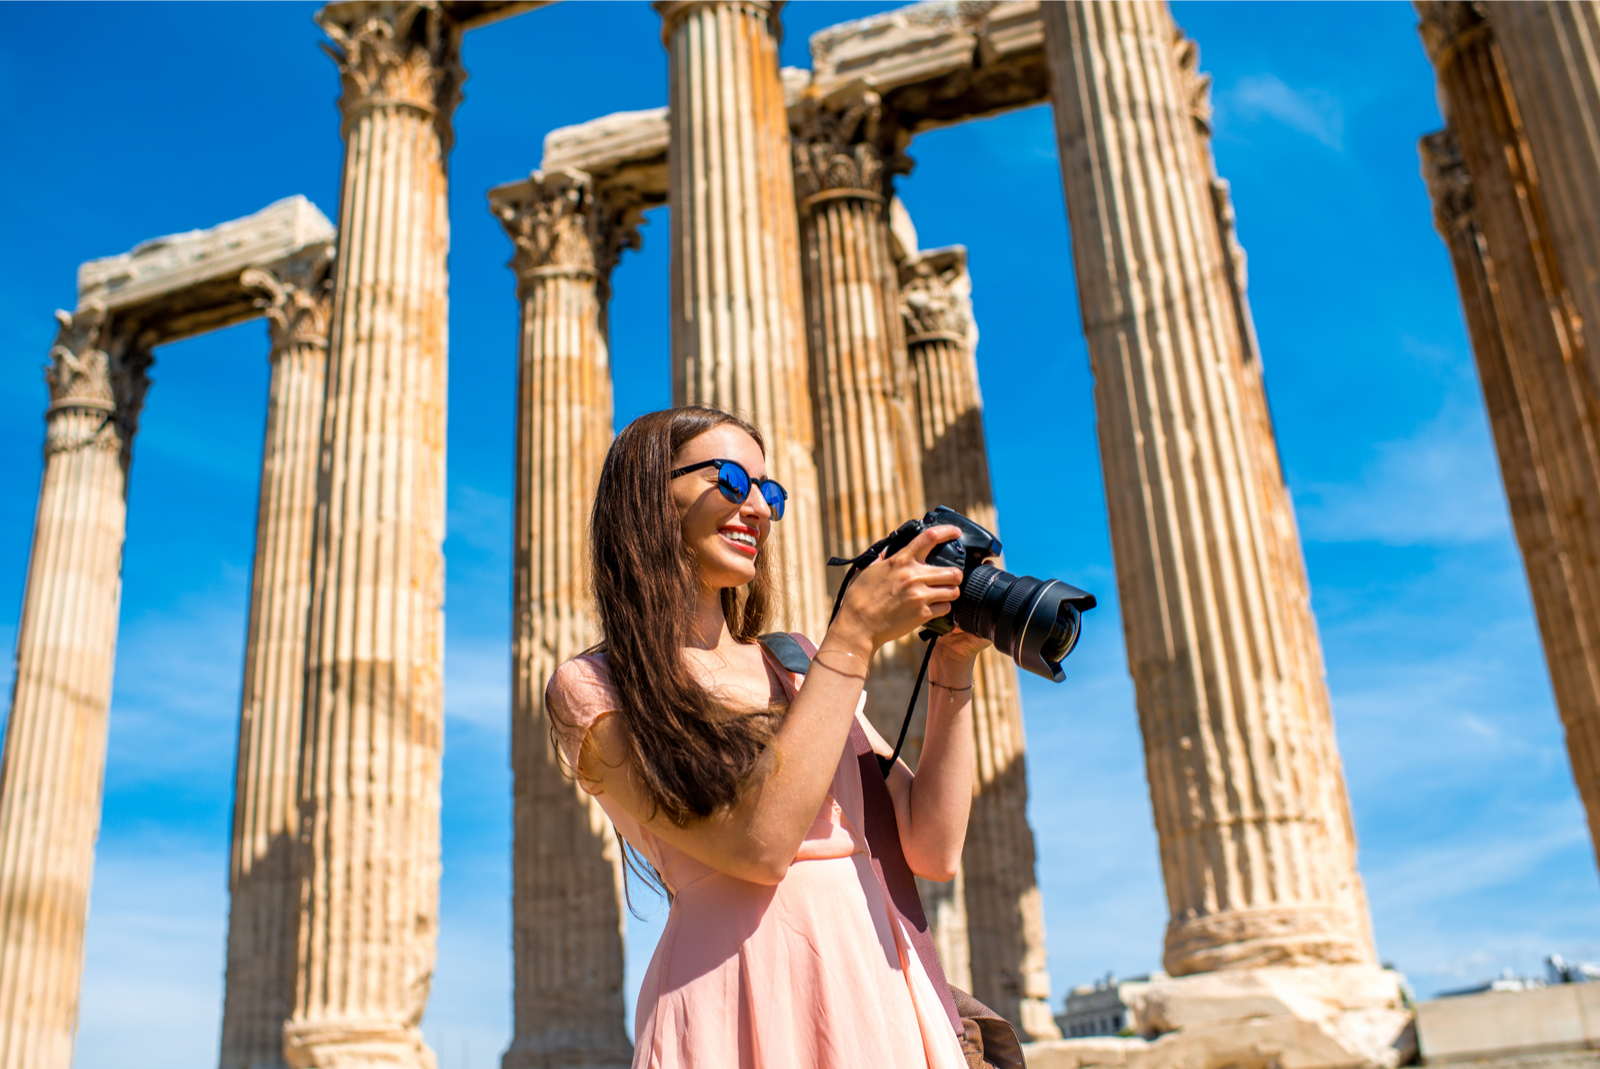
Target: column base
[
  {"x": 355, "y": 1044},
  {"x": 1284, "y": 1017},
  {"x": 1251, "y": 938},
  {"x": 568, "y": 1051}
]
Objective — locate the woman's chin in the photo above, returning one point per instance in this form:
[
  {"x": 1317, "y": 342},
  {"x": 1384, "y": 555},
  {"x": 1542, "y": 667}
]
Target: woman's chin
[{"x": 732, "y": 575}]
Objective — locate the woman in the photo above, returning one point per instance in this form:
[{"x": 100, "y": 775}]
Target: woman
[{"x": 735, "y": 782}]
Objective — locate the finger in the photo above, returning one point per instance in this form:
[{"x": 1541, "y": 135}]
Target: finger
[{"x": 919, "y": 547}]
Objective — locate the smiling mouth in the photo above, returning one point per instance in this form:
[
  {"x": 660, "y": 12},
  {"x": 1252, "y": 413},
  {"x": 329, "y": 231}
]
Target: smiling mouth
[{"x": 740, "y": 537}]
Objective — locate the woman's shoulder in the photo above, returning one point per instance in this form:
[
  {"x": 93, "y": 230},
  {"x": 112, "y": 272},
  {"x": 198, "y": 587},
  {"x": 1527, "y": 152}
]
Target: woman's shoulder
[{"x": 580, "y": 689}]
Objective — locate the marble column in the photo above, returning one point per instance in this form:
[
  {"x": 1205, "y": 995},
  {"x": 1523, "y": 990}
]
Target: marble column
[
  {"x": 1004, "y": 913},
  {"x": 1550, "y": 50},
  {"x": 373, "y": 726},
  {"x": 263, "y": 887},
  {"x": 567, "y": 865},
  {"x": 1256, "y": 844},
  {"x": 1525, "y": 316},
  {"x": 55, "y": 744},
  {"x": 738, "y": 341},
  {"x": 869, "y": 463},
  {"x": 1550, "y": 56}
]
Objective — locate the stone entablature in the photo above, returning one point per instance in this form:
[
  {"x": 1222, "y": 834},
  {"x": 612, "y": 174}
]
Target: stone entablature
[
  {"x": 930, "y": 64},
  {"x": 185, "y": 284}
]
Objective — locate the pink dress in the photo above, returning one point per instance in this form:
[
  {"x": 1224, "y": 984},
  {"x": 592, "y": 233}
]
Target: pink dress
[{"x": 817, "y": 972}]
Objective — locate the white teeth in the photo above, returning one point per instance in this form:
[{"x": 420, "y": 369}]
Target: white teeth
[{"x": 742, "y": 537}]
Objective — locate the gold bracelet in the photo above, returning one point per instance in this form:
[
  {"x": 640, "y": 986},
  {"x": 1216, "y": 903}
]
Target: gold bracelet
[{"x": 817, "y": 660}]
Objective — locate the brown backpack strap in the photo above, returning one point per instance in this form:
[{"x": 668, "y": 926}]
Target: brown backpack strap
[{"x": 888, "y": 858}]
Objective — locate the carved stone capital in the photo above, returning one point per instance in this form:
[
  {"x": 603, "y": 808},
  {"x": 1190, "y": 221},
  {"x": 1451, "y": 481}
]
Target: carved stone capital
[
  {"x": 936, "y": 298},
  {"x": 394, "y": 54},
  {"x": 94, "y": 371},
  {"x": 1449, "y": 184},
  {"x": 297, "y": 299},
  {"x": 673, "y": 11},
  {"x": 1196, "y": 86},
  {"x": 559, "y": 223},
  {"x": 1447, "y": 25},
  {"x": 844, "y": 149}
]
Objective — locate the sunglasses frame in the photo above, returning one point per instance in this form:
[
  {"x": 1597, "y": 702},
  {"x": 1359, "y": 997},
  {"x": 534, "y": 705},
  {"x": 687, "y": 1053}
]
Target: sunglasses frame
[{"x": 778, "y": 509}]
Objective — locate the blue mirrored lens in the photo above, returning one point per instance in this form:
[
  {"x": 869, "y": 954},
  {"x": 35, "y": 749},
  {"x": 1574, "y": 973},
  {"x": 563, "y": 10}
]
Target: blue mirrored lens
[
  {"x": 733, "y": 482},
  {"x": 774, "y": 495}
]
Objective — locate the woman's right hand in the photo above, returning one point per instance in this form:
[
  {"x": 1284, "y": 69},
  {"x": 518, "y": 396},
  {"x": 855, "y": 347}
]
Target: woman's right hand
[{"x": 898, "y": 593}]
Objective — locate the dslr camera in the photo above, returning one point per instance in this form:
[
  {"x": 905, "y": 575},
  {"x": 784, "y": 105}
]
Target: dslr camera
[{"x": 1035, "y": 622}]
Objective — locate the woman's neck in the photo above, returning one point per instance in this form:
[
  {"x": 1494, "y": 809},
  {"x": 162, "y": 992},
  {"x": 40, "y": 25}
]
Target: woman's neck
[{"x": 709, "y": 628}]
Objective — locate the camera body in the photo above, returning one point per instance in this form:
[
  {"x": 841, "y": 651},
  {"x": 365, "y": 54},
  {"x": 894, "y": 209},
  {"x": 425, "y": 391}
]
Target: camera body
[{"x": 1033, "y": 621}]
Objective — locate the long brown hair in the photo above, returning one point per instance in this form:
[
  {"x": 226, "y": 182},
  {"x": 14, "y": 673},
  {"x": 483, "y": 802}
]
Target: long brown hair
[{"x": 693, "y": 753}]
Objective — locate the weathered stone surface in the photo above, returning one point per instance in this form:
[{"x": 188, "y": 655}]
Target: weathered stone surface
[
  {"x": 940, "y": 62},
  {"x": 1307, "y": 1017},
  {"x": 1256, "y": 843},
  {"x": 184, "y": 284},
  {"x": 566, "y": 861},
  {"x": 603, "y": 147},
  {"x": 869, "y": 461},
  {"x": 1495, "y": 204},
  {"x": 1497, "y": 1024},
  {"x": 738, "y": 340},
  {"x": 1004, "y": 917},
  {"x": 1552, "y": 72},
  {"x": 368, "y": 851},
  {"x": 55, "y": 743},
  {"x": 264, "y": 892},
  {"x": 931, "y": 64}
]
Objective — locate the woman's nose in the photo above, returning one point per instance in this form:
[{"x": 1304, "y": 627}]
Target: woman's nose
[{"x": 755, "y": 501}]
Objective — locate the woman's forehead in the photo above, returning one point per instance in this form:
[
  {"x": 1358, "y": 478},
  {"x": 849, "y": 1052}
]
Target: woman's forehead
[{"x": 727, "y": 442}]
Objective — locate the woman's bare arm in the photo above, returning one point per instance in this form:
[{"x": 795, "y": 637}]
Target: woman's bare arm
[
  {"x": 757, "y": 838},
  {"x": 931, "y": 807}
]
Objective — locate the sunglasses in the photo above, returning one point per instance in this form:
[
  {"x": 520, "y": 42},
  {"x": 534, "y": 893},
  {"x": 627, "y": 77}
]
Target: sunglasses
[{"x": 734, "y": 482}]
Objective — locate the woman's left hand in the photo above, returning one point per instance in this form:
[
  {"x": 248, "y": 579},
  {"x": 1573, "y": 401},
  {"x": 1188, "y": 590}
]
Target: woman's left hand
[{"x": 958, "y": 651}]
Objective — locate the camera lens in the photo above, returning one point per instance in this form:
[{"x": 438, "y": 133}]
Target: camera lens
[
  {"x": 1062, "y": 636},
  {"x": 1035, "y": 622}
]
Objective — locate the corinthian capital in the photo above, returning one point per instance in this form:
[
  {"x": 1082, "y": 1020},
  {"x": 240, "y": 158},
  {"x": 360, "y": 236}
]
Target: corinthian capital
[
  {"x": 394, "y": 54},
  {"x": 1449, "y": 184},
  {"x": 1196, "y": 86},
  {"x": 296, "y": 298},
  {"x": 559, "y": 223},
  {"x": 936, "y": 297},
  {"x": 91, "y": 370},
  {"x": 673, "y": 11},
  {"x": 1446, "y": 25},
  {"x": 843, "y": 148}
]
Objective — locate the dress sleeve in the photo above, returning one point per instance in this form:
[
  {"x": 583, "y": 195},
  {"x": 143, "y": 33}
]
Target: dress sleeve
[{"x": 579, "y": 693}]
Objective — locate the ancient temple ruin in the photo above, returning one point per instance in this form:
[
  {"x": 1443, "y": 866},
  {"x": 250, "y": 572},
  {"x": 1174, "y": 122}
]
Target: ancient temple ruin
[{"x": 801, "y": 300}]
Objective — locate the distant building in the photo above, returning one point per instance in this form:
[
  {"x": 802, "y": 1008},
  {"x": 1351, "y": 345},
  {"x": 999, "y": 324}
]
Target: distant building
[
  {"x": 1557, "y": 971},
  {"x": 1103, "y": 1008}
]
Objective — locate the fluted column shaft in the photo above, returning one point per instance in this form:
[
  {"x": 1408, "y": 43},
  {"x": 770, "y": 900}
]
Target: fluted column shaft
[
  {"x": 1551, "y": 55},
  {"x": 1550, "y": 51},
  {"x": 566, "y": 861},
  {"x": 737, "y": 338},
  {"x": 55, "y": 744},
  {"x": 373, "y": 730},
  {"x": 1004, "y": 913},
  {"x": 869, "y": 465},
  {"x": 1532, "y": 350},
  {"x": 1244, "y": 776},
  {"x": 264, "y": 890}
]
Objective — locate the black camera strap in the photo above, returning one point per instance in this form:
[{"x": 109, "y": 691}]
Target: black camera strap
[{"x": 885, "y": 764}]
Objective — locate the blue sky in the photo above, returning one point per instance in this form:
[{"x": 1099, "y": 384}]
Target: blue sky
[{"x": 125, "y": 122}]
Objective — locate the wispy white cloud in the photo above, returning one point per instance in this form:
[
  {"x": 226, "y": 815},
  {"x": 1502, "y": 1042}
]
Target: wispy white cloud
[
  {"x": 1439, "y": 485},
  {"x": 1313, "y": 112}
]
